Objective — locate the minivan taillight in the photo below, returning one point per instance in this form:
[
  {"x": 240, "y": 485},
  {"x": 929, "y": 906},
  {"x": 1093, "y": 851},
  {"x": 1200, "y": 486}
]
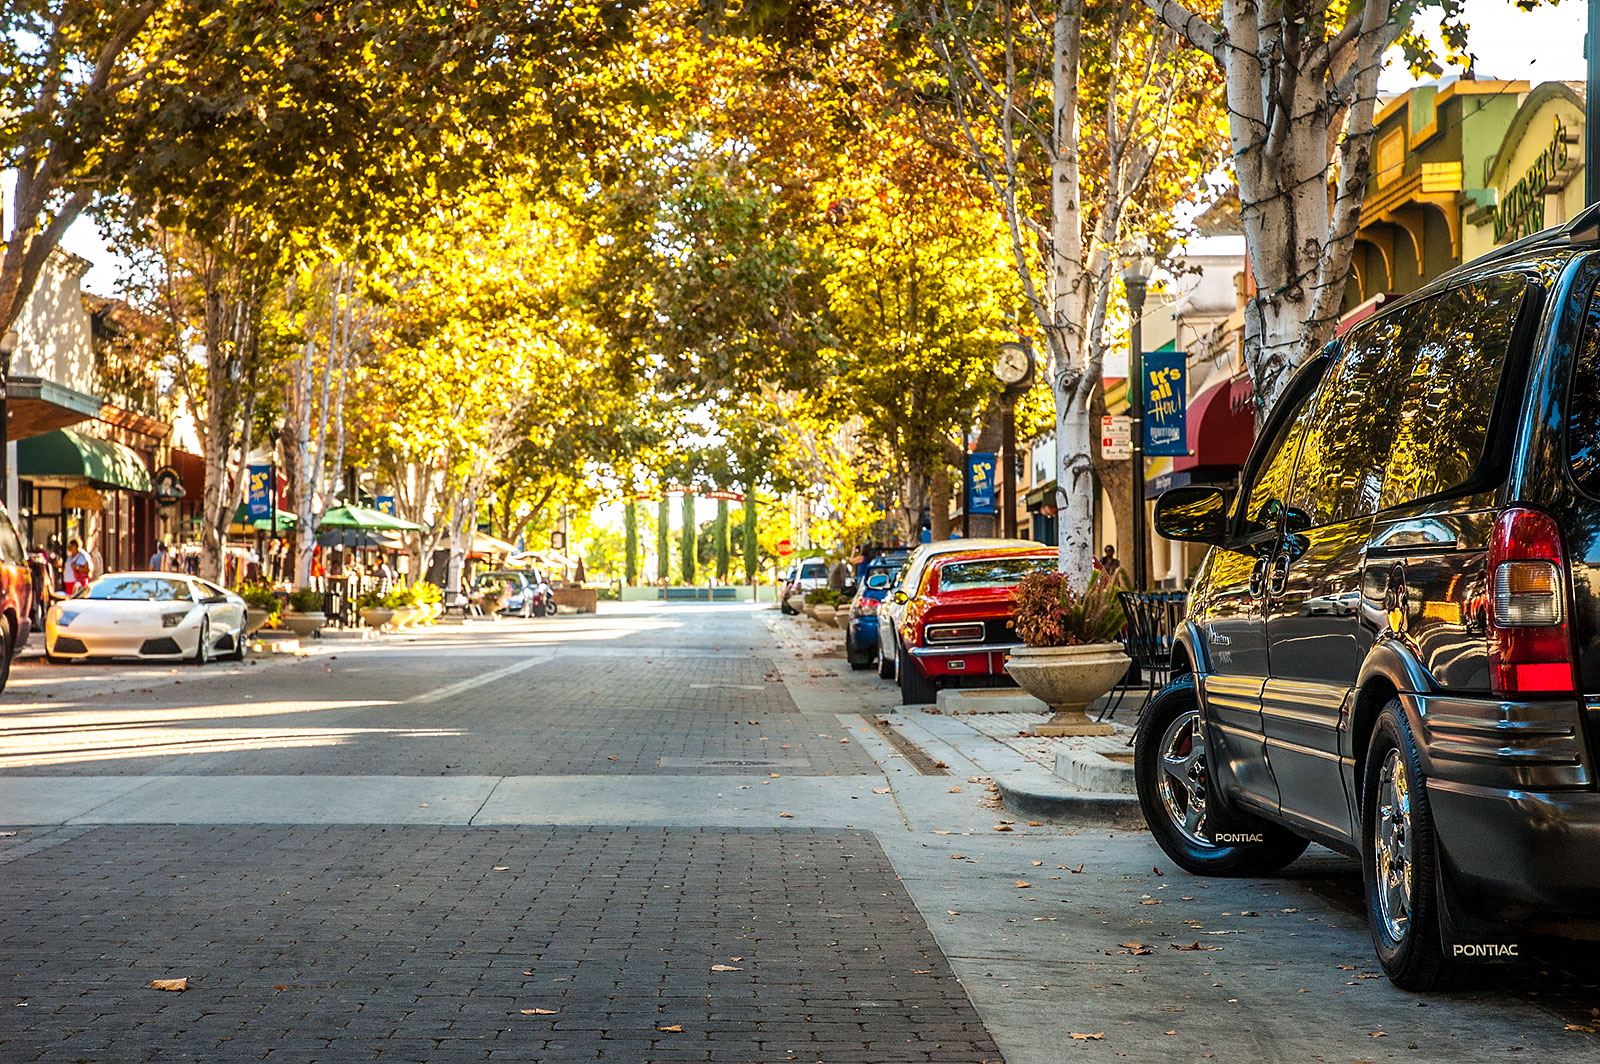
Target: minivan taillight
[{"x": 1530, "y": 648}]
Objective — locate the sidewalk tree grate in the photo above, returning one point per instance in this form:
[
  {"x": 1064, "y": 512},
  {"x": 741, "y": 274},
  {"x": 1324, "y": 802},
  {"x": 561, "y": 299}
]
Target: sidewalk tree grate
[{"x": 920, "y": 761}]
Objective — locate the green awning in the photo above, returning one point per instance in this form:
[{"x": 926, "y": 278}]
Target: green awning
[{"x": 68, "y": 453}]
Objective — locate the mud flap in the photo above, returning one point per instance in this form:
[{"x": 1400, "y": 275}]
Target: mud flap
[
  {"x": 1228, "y": 825},
  {"x": 1465, "y": 938}
]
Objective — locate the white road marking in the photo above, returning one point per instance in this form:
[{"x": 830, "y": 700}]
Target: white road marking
[{"x": 451, "y": 690}]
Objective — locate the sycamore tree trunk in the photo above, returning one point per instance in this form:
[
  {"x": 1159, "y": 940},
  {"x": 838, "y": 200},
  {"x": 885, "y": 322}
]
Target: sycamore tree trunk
[
  {"x": 939, "y": 501},
  {"x": 1069, "y": 296},
  {"x": 1302, "y": 95},
  {"x": 462, "y": 525}
]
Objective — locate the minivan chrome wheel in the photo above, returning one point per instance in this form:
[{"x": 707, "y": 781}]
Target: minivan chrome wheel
[
  {"x": 1179, "y": 798},
  {"x": 1183, "y": 776},
  {"x": 1391, "y": 846}
]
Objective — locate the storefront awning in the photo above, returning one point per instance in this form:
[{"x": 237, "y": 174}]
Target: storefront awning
[
  {"x": 1219, "y": 434},
  {"x": 35, "y": 406},
  {"x": 67, "y": 453}
]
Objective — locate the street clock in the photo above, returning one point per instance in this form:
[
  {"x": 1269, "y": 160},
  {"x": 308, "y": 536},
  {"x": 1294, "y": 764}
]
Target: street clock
[{"x": 1014, "y": 364}]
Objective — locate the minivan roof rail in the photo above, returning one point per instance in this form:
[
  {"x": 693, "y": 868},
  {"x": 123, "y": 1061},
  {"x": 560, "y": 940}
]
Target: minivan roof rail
[{"x": 1583, "y": 228}]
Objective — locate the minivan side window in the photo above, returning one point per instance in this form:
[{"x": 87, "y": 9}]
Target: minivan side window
[
  {"x": 1271, "y": 487},
  {"x": 1462, "y": 348},
  {"x": 1342, "y": 463}
]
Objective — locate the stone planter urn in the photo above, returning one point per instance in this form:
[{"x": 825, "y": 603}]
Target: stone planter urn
[
  {"x": 404, "y": 616},
  {"x": 304, "y": 624},
  {"x": 255, "y": 618},
  {"x": 797, "y": 603},
  {"x": 841, "y": 616},
  {"x": 1067, "y": 679},
  {"x": 823, "y": 612},
  {"x": 377, "y": 616}
]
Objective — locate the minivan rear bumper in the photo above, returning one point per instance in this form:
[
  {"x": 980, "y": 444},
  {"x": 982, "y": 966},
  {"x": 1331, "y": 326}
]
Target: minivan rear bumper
[{"x": 1520, "y": 849}]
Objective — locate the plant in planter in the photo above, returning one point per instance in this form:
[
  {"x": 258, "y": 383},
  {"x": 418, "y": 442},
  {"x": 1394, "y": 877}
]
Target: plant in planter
[
  {"x": 262, "y": 605},
  {"x": 403, "y": 601},
  {"x": 1070, "y": 654},
  {"x": 374, "y": 614},
  {"x": 430, "y": 600},
  {"x": 304, "y": 615}
]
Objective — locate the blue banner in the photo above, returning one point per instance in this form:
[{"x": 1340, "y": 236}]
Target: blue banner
[
  {"x": 1166, "y": 430},
  {"x": 260, "y": 493},
  {"x": 980, "y": 482},
  {"x": 384, "y": 504}
]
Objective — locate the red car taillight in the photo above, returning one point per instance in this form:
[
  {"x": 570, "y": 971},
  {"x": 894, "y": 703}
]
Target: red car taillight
[
  {"x": 867, "y": 607},
  {"x": 1530, "y": 648}
]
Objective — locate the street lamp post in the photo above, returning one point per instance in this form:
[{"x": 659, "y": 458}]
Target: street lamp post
[{"x": 1137, "y": 267}]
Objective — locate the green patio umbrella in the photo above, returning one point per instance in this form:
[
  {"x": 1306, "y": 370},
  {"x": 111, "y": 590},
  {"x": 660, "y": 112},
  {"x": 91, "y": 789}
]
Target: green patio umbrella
[
  {"x": 365, "y": 517},
  {"x": 241, "y": 517}
]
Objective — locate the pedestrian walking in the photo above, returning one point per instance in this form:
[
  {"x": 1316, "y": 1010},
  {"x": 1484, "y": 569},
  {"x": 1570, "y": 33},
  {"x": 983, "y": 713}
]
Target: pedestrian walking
[
  {"x": 158, "y": 560},
  {"x": 1108, "y": 561},
  {"x": 80, "y": 567}
]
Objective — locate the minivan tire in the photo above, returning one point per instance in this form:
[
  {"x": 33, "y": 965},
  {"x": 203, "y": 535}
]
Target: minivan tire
[
  {"x": 1167, "y": 726},
  {"x": 1395, "y": 813},
  {"x": 886, "y": 665}
]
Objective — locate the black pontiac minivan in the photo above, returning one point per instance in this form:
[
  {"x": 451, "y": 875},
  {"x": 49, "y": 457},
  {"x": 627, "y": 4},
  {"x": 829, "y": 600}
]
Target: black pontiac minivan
[{"x": 1393, "y": 647}]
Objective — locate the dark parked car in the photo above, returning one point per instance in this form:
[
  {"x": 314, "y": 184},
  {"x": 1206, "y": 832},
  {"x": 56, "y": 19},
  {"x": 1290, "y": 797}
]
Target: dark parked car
[
  {"x": 16, "y": 595},
  {"x": 861, "y": 635},
  {"x": 1393, "y": 647}
]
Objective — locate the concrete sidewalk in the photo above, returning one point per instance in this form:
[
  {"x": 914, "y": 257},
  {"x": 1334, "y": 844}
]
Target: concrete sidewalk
[{"x": 1087, "y": 781}]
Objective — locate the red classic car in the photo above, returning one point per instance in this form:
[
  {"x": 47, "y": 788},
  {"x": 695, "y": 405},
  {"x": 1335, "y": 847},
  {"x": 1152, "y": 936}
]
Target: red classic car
[{"x": 957, "y": 620}]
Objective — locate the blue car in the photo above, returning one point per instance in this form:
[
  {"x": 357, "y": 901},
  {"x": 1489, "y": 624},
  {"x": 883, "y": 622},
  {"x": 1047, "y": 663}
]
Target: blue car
[{"x": 861, "y": 635}]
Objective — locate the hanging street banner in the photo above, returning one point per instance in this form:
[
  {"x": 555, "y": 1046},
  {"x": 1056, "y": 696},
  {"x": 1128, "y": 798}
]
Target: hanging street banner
[
  {"x": 384, "y": 504},
  {"x": 980, "y": 482},
  {"x": 1166, "y": 431},
  {"x": 260, "y": 493}
]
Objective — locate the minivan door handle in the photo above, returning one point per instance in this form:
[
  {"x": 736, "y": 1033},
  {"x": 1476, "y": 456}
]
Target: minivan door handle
[
  {"x": 1279, "y": 578},
  {"x": 1258, "y": 575}
]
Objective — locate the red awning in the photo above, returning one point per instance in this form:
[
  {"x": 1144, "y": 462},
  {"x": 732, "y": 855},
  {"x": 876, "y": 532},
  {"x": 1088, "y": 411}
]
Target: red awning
[
  {"x": 1220, "y": 431},
  {"x": 1363, "y": 312}
]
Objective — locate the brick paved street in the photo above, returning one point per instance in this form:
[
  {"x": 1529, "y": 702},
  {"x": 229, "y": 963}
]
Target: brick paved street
[{"x": 405, "y": 849}]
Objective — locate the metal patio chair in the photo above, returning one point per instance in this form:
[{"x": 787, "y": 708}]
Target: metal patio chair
[{"x": 1153, "y": 619}]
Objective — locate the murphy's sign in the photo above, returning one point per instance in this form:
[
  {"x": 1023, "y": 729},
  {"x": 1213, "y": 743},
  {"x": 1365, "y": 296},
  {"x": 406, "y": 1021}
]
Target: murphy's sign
[{"x": 1521, "y": 209}]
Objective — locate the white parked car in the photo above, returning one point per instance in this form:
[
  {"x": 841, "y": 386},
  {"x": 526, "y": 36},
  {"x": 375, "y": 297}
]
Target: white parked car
[{"x": 165, "y": 616}]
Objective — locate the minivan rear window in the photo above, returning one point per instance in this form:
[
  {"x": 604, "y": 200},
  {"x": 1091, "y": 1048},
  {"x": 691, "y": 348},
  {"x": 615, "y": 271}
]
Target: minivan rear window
[
  {"x": 1583, "y": 407},
  {"x": 1460, "y": 349}
]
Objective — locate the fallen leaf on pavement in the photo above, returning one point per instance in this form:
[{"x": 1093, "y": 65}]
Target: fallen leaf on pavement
[
  {"x": 1151, "y": 901},
  {"x": 940, "y": 831},
  {"x": 725, "y": 968},
  {"x": 171, "y": 984},
  {"x": 1003, "y": 827},
  {"x": 501, "y": 868},
  {"x": 538, "y": 1012},
  {"x": 925, "y": 971},
  {"x": 844, "y": 740},
  {"x": 1036, "y": 823},
  {"x": 1038, "y": 864},
  {"x": 1157, "y": 871},
  {"x": 880, "y": 790},
  {"x": 613, "y": 757},
  {"x": 1196, "y": 946},
  {"x": 1075, "y": 871},
  {"x": 958, "y": 857},
  {"x": 940, "y": 764},
  {"x": 787, "y": 816},
  {"x": 1087, "y": 1037},
  {"x": 774, "y": 775},
  {"x": 676, "y": 1028},
  {"x": 1379, "y": 1034},
  {"x": 951, "y": 912},
  {"x": 955, "y": 790},
  {"x": 1023, "y": 884}
]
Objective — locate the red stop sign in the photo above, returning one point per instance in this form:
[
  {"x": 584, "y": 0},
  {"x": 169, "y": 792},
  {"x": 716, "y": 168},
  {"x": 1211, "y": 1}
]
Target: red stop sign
[{"x": 785, "y": 546}]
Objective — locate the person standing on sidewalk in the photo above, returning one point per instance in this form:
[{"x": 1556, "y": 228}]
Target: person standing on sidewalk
[
  {"x": 80, "y": 567},
  {"x": 158, "y": 560}
]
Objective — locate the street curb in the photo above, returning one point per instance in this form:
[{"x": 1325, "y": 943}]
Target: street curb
[
  {"x": 1036, "y": 797},
  {"x": 1089, "y": 771}
]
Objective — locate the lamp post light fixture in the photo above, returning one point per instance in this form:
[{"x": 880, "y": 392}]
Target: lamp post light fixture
[{"x": 1137, "y": 266}]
